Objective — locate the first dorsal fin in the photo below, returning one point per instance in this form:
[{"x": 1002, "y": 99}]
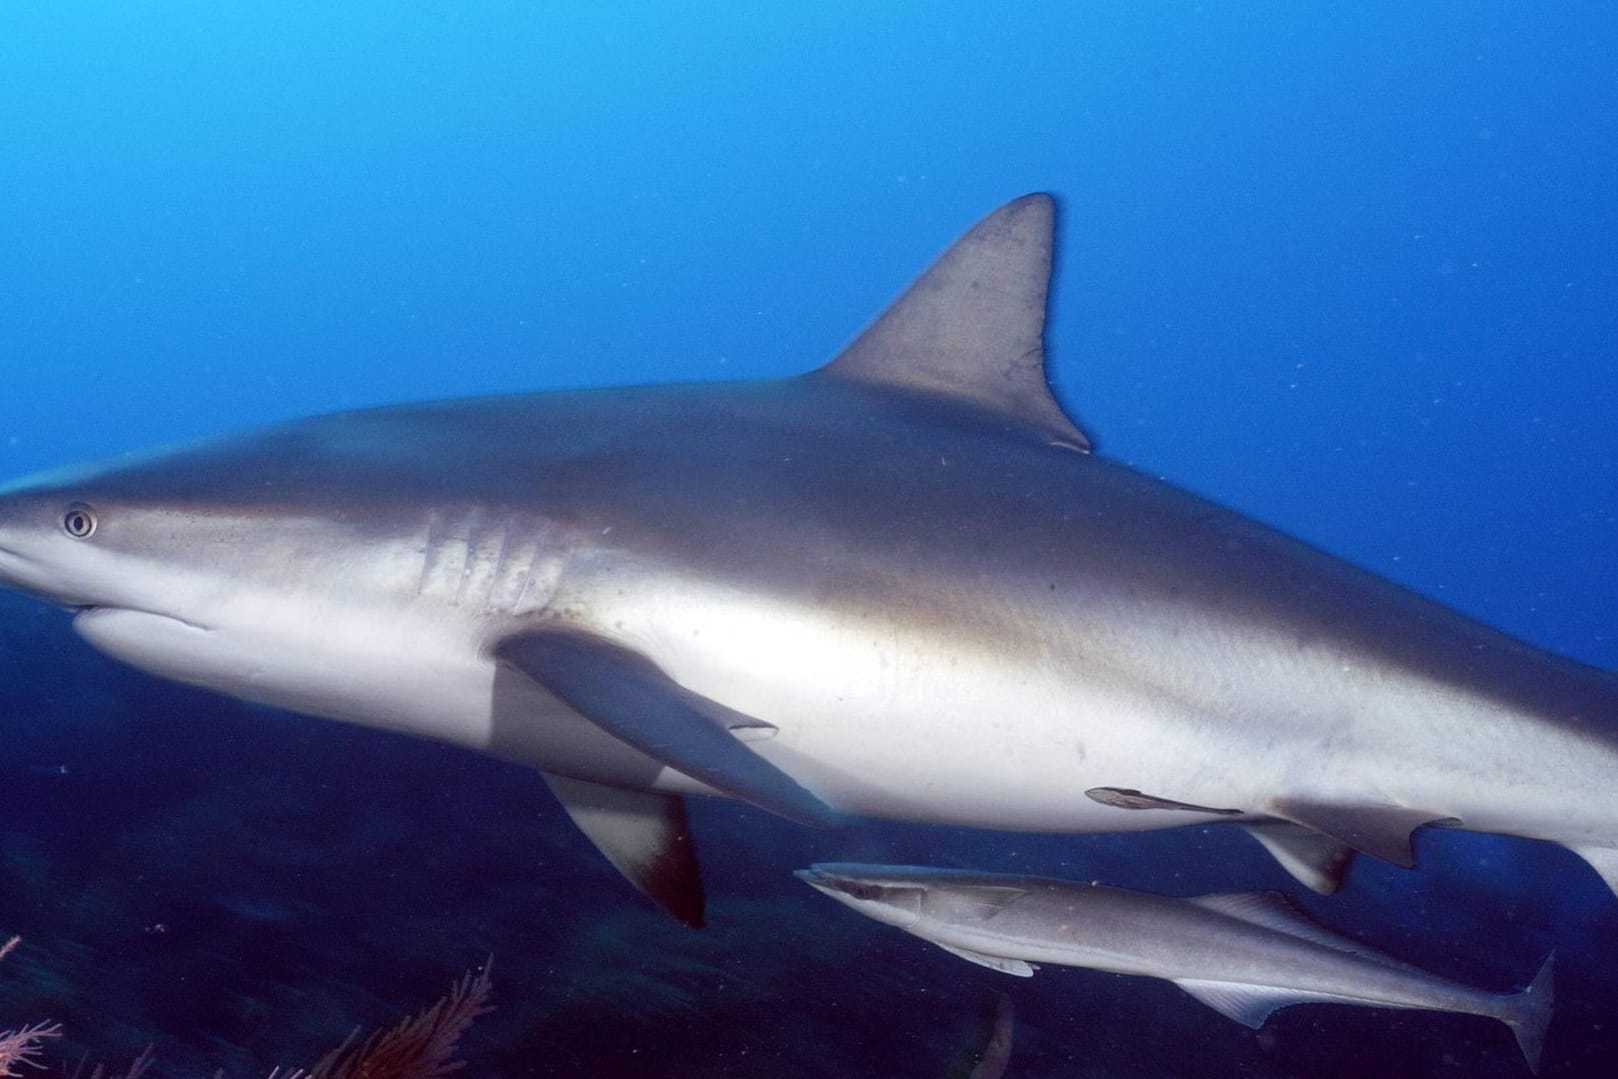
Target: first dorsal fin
[
  {"x": 972, "y": 327},
  {"x": 1274, "y": 911}
]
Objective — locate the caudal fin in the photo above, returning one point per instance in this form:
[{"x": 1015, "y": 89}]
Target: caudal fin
[{"x": 1529, "y": 1013}]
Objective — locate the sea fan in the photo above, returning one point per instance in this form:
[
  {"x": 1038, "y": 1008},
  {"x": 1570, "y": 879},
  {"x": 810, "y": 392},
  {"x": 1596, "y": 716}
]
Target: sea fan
[
  {"x": 23, "y": 1046},
  {"x": 418, "y": 1048}
]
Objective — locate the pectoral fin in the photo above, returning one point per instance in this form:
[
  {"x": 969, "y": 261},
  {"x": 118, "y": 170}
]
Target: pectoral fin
[
  {"x": 644, "y": 835},
  {"x": 993, "y": 962},
  {"x": 630, "y": 697},
  {"x": 1383, "y": 831}
]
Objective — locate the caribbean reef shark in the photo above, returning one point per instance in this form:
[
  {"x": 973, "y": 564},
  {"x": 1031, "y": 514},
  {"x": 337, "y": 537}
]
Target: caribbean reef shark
[
  {"x": 898, "y": 586},
  {"x": 1242, "y": 954}
]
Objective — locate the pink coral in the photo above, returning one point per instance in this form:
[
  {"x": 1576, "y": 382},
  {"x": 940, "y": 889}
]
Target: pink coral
[
  {"x": 420, "y": 1047},
  {"x": 23, "y": 1046}
]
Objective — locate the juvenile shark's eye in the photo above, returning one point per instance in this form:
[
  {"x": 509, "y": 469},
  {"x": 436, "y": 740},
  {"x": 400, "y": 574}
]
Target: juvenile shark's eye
[{"x": 79, "y": 521}]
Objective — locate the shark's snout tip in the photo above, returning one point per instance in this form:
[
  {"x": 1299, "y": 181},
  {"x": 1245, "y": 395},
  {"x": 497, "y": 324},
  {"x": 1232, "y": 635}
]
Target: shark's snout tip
[{"x": 815, "y": 877}]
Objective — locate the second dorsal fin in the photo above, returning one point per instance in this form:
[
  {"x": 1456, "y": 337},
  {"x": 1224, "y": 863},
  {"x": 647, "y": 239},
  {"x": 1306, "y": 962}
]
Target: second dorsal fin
[{"x": 972, "y": 326}]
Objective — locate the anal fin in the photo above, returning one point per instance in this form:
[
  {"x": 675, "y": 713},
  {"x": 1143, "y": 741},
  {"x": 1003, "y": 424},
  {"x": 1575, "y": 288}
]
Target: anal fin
[
  {"x": 1249, "y": 1005},
  {"x": 646, "y": 838},
  {"x": 1379, "y": 830}
]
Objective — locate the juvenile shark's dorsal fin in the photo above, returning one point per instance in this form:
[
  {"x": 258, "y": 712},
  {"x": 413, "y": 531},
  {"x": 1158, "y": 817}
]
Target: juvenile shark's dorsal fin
[
  {"x": 972, "y": 327},
  {"x": 1274, "y": 911}
]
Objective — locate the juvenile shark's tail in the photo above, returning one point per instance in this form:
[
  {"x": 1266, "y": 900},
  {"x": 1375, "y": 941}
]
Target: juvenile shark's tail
[{"x": 1528, "y": 1013}]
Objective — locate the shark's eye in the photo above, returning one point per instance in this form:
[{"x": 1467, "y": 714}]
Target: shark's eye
[{"x": 79, "y": 521}]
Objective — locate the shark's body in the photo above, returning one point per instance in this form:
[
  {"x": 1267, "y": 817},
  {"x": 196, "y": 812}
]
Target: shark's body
[
  {"x": 899, "y": 586},
  {"x": 1244, "y": 954}
]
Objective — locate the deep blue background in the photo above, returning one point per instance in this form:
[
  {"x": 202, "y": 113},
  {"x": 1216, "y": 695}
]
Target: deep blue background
[{"x": 1352, "y": 271}]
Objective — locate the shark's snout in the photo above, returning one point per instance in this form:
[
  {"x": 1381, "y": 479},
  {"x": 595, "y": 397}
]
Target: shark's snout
[
  {"x": 838, "y": 886},
  {"x": 837, "y": 881},
  {"x": 819, "y": 881}
]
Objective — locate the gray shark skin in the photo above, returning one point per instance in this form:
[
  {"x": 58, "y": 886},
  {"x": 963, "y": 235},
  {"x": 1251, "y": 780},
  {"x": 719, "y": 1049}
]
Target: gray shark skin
[
  {"x": 899, "y": 586},
  {"x": 1244, "y": 954}
]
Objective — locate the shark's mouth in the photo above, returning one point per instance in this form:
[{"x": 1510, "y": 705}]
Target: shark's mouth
[
  {"x": 20, "y": 573},
  {"x": 90, "y": 615}
]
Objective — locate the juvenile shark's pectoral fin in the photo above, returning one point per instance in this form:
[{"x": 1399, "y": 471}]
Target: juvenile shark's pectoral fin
[
  {"x": 1315, "y": 860},
  {"x": 1127, "y": 798},
  {"x": 993, "y": 962},
  {"x": 972, "y": 327},
  {"x": 630, "y": 697},
  {"x": 644, "y": 835},
  {"x": 1249, "y": 1005},
  {"x": 1381, "y": 831}
]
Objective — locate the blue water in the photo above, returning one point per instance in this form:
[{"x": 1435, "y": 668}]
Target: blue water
[{"x": 1352, "y": 271}]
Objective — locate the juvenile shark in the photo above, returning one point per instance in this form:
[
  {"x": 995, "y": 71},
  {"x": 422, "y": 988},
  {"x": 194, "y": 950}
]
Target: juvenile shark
[
  {"x": 897, "y": 586},
  {"x": 1242, "y": 954}
]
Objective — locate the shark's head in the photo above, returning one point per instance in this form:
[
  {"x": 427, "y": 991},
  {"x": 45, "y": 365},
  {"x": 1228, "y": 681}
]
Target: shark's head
[
  {"x": 130, "y": 532},
  {"x": 891, "y": 894},
  {"x": 44, "y": 532},
  {"x": 198, "y": 562},
  {"x": 99, "y": 538},
  {"x": 131, "y": 568}
]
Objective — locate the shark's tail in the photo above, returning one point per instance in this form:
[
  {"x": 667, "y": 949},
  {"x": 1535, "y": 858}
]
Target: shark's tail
[{"x": 1528, "y": 1013}]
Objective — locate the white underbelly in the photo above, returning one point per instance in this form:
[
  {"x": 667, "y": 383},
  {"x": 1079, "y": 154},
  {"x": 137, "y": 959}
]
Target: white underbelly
[
  {"x": 876, "y": 717},
  {"x": 416, "y": 669},
  {"x": 887, "y": 724},
  {"x": 374, "y": 667}
]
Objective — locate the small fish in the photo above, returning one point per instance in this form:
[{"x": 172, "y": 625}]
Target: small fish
[{"x": 1242, "y": 954}]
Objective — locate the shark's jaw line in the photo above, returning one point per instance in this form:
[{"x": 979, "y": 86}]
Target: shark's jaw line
[
  {"x": 896, "y": 586},
  {"x": 90, "y": 612}
]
